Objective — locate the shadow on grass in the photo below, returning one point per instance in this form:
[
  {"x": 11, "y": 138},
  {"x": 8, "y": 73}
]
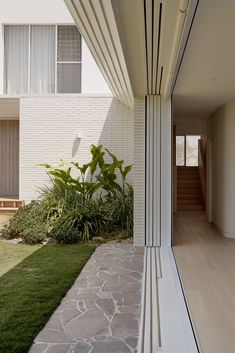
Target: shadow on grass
[
  {"x": 32, "y": 290},
  {"x": 12, "y": 254}
]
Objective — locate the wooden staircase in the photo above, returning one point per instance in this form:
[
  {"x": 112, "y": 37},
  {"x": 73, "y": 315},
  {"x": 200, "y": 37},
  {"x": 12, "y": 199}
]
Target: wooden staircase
[
  {"x": 9, "y": 205},
  {"x": 189, "y": 192}
]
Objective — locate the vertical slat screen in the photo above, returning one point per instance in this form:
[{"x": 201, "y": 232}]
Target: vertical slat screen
[
  {"x": 153, "y": 170},
  {"x": 9, "y": 157},
  {"x": 153, "y": 21}
]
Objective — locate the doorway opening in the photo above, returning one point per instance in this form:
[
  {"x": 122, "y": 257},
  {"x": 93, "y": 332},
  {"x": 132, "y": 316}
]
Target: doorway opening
[{"x": 189, "y": 194}]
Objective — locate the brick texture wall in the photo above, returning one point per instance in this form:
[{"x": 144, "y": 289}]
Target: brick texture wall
[{"x": 49, "y": 127}]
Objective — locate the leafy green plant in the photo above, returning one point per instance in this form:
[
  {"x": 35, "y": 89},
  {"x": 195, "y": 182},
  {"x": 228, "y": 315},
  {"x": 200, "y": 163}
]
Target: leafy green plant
[
  {"x": 78, "y": 223},
  {"x": 81, "y": 201}
]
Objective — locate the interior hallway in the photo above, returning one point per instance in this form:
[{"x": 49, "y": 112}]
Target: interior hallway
[{"x": 206, "y": 262}]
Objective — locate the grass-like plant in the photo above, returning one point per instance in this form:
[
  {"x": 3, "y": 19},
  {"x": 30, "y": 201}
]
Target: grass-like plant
[{"x": 81, "y": 201}]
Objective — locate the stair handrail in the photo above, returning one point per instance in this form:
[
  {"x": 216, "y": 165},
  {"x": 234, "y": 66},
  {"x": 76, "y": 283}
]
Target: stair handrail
[{"x": 202, "y": 168}]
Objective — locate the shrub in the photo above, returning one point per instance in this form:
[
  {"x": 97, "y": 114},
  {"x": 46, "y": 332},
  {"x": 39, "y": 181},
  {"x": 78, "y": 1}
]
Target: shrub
[
  {"x": 28, "y": 223},
  {"x": 82, "y": 201}
]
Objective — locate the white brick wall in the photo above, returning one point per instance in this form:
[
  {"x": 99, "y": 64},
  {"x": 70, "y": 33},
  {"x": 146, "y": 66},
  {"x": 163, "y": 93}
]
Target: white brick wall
[
  {"x": 50, "y": 124},
  {"x": 139, "y": 172}
]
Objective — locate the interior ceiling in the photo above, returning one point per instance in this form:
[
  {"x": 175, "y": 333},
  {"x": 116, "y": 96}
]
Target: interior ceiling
[
  {"x": 9, "y": 108},
  {"x": 206, "y": 78}
]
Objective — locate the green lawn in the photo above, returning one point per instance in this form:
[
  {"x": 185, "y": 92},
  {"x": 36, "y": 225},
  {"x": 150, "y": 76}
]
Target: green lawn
[
  {"x": 32, "y": 290},
  {"x": 12, "y": 254}
]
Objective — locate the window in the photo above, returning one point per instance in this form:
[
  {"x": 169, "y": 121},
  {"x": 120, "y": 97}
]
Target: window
[
  {"x": 192, "y": 150},
  {"x": 180, "y": 150},
  {"x": 42, "y": 59},
  {"x": 68, "y": 60},
  {"x": 187, "y": 150}
]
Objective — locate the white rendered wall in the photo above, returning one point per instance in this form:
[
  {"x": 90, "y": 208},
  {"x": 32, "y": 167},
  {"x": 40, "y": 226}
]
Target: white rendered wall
[
  {"x": 223, "y": 145},
  {"x": 48, "y": 12},
  {"x": 92, "y": 79},
  {"x": 49, "y": 126}
]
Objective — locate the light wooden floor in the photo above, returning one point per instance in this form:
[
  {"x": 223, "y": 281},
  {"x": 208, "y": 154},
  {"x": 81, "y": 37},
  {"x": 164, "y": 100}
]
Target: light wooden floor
[{"x": 206, "y": 261}]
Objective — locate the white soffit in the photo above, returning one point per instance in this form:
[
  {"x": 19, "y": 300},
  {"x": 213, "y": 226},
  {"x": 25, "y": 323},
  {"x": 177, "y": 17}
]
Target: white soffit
[
  {"x": 96, "y": 22},
  {"x": 9, "y": 108},
  {"x": 206, "y": 79},
  {"x": 136, "y": 43}
]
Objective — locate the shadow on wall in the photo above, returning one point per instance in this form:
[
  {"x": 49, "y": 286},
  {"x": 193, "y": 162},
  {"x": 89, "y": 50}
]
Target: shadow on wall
[
  {"x": 76, "y": 122},
  {"x": 75, "y": 146},
  {"x": 116, "y": 134}
]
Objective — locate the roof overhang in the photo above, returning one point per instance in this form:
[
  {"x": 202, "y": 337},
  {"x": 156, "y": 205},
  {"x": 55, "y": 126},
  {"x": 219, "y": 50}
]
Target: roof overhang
[{"x": 137, "y": 44}]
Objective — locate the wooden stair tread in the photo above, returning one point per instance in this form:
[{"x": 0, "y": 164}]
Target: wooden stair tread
[
  {"x": 191, "y": 208},
  {"x": 190, "y": 202},
  {"x": 189, "y": 193}
]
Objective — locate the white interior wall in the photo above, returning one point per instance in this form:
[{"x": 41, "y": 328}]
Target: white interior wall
[
  {"x": 222, "y": 124},
  {"x": 191, "y": 125},
  {"x": 48, "y": 12}
]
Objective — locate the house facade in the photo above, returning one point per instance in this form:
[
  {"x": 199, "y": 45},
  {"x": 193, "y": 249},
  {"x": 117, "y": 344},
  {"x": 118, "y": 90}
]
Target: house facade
[
  {"x": 53, "y": 97},
  {"x": 169, "y": 68}
]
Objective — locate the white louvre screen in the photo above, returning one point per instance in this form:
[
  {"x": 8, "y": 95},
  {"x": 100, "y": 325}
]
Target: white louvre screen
[
  {"x": 68, "y": 44},
  {"x": 42, "y": 79},
  {"x": 16, "y": 59},
  {"x": 68, "y": 60}
]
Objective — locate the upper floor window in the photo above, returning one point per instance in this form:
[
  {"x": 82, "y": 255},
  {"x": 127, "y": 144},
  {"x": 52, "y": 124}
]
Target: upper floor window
[{"x": 41, "y": 59}]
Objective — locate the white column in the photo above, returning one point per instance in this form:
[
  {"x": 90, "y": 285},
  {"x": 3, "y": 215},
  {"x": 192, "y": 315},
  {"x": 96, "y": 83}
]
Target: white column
[
  {"x": 158, "y": 171},
  {"x": 153, "y": 170},
  {"x": 166, "y": 172}
]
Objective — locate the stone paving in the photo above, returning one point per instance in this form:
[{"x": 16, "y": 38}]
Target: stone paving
[{"x": 100, "y": 313}]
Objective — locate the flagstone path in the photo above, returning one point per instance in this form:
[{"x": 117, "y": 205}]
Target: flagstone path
[{"x": 100, "y": 313}]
